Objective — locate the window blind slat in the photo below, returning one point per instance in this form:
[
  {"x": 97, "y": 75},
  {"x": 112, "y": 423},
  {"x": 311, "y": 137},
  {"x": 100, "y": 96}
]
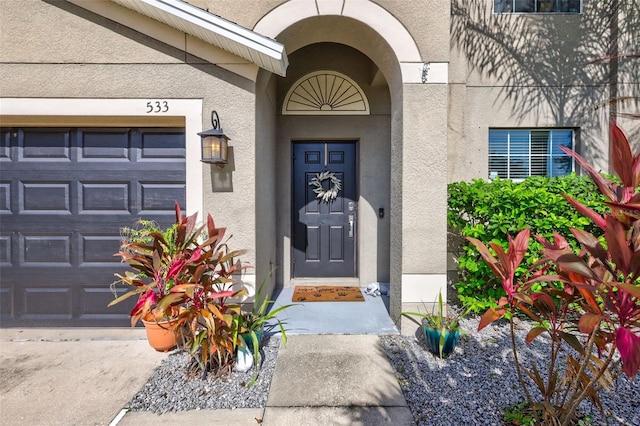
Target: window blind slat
[{"x": 561, "y": 166}]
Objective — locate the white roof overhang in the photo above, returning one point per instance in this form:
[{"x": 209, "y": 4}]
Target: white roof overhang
[{"x": 260, "y": 50}]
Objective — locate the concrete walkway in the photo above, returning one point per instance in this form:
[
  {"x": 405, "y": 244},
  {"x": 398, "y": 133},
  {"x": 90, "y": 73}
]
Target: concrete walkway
[
  {"x": 86, "y": 377},
  {"x": 335, "y": 380},
  {"x": 71, "y": 376},
  {"x": 319, "y": 380}
]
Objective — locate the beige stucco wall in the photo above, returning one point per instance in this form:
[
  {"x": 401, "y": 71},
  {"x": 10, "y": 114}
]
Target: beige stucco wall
[
  {"x": 85, "y": 56},
  {"x": 424, "y": 197},
  {"x": 403, "y": 143},
  {"x": 534, "y": 70},
  {"x": 245, "y": 13},
  {"x": 424, "y": 164},
  {"x": 427, "y": 22},
  {"x": 266, "y": 208},
  {"x": 78, "y": 37}
]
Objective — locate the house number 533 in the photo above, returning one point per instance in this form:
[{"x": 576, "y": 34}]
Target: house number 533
[{"x": 154, "y": 107}]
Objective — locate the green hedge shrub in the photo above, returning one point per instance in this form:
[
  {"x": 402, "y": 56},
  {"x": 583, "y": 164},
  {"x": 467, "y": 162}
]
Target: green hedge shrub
[{"x": 489, "y": 210}]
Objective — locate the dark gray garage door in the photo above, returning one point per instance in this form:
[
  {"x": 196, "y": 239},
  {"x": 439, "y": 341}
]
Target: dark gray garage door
[{"x": 64, "y": 195}]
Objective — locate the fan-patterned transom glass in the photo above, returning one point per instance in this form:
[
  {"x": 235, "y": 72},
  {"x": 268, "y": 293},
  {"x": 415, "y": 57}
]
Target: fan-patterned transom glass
[{"x": 325, "y": 93}]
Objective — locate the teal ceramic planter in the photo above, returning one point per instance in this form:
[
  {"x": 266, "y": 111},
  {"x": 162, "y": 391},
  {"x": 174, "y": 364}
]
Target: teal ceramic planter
[
  {"x": 247, "y": 339},
  {"x": 432, "y": 336}
]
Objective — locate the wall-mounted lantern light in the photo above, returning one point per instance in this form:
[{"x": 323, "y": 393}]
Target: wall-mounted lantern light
[{"x": 214, "y": 143}]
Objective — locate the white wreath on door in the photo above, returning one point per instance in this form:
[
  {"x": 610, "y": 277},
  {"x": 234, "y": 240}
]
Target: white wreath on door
[{"x": 322, "y": 194}]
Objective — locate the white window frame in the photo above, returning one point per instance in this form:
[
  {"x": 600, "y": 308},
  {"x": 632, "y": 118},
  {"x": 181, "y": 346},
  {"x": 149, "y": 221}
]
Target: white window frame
[
  {"x": 508, "y": 154},
  {"x": 535, "y": 11}
]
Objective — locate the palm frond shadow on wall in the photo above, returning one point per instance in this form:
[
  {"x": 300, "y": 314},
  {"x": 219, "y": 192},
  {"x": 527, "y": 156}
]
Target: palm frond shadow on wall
[{"x": 558, "y": 63}]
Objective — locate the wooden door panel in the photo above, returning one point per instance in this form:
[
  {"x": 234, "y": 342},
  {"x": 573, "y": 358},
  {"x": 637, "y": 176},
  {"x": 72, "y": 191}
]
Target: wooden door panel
[
  {"x": 322, "y": 245},
  {"x": 337, "y": 242}
]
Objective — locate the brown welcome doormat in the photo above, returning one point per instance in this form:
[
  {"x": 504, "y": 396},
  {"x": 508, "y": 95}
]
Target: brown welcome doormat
[{"x": 327, "y": 293}]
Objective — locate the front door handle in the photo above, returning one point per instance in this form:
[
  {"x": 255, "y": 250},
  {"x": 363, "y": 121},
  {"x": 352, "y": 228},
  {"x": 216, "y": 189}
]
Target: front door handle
[{"x": 351, "y": 218}]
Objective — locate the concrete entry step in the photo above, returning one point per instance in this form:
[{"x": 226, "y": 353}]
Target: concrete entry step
[
  {"x": 335, "y": 377},
  {"x": 368, "y": 317}
]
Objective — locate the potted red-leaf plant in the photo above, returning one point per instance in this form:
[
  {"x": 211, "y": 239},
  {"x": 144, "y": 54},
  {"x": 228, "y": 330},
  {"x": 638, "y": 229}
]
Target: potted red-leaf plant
[
  {"x": 187, "y": 276},
  {"x": 166, "y": 263}
]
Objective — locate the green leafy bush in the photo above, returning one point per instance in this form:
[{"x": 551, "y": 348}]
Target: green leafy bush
[{"x": 489, "y": 210}]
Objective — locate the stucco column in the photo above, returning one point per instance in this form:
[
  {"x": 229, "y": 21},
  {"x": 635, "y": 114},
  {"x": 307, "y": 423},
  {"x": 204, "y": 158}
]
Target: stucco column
[
  {"x": 229, "y": 192},
  {"x": 424, "y": 194}
]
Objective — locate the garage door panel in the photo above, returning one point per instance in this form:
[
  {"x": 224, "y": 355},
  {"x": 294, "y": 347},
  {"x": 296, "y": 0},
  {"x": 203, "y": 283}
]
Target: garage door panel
[
  {"x": 154, "y": 196},
  {"x": 5, "y": 197},
  {"x": 64, "y": 196},
  {"x": 6, "y": 303},
  {"x": 104, "y": 198},
  {"x": 94, "y": 301},
  {"x": 98, "y": 250},
  {"x": 45, "y": 145},
  {"x": 44, "y": 275},
  {"x": 101, "y": 146},
  {"x": 47, "y": 303},
  {"x": 45, "y": 250},
  {"x": 5, "y": 250},
  {"x": 156, "y": 147},
  {"x": 38, "y": 171},
  {"x": 5, "y": 146},
  {"x": 52, "y": 197}
]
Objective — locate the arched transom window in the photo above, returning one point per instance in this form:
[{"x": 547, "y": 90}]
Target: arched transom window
[{"x": 325, "y": 93}]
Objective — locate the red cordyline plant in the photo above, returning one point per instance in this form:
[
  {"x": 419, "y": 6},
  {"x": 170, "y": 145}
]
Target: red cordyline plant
[
  {"x": 591, "y": 309},
  {"x": 210, "y": 321},
  {"x": 186, "y": 274},
  {"x": 158, "y": 259}
]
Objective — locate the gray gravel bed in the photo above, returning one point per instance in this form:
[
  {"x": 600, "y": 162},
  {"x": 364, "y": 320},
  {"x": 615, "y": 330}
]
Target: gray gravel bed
[
  {"x": 478, "y": 380},
  {"x": 472, "y": 386},
  {"x": 170, "y": 388}
]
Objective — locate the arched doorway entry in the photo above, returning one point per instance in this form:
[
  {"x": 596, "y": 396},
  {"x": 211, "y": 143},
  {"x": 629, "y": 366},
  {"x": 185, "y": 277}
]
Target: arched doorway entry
[
  {"x": 369, "y": 45},
  {"x": 334, "y": 117}
]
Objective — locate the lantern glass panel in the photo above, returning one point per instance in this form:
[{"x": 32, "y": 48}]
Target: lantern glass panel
[{"x": 214, "y": 149}]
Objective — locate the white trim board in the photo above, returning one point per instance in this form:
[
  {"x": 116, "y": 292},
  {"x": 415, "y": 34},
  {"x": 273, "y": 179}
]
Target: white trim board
[
  {"x": 423, "y": 288},
  {"x": 379, "y": 19},
  {"x": 412, "y": 72},
  {"x": 247, "y": 44}
]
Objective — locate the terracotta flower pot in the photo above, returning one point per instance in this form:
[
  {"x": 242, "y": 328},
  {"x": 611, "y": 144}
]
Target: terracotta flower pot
[{"x": 160, "y": 335}]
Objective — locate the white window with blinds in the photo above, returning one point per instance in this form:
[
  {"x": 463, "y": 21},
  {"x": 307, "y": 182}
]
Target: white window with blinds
[
  {"x": 537, "y": 6},
  {"x": 520, "y": 153}
]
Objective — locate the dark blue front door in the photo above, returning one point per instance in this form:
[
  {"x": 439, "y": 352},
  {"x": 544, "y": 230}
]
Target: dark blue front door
[{"x": 324, "y": 231}]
